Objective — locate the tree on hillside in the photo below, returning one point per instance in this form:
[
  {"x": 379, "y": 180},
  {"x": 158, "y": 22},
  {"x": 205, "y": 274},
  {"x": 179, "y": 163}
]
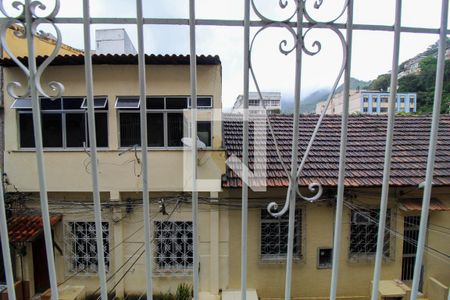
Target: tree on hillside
[
  {"x": 381, "y": 83},
  {"x": 423, "y": 84}
]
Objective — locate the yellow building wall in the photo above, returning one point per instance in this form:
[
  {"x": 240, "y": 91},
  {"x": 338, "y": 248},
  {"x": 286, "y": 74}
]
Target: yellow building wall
[
  {"x": 42, "y": 46},
  {"x": 436, "y": 265},
  {"x": 318, "y": 225},
  {"x": 165, "y": 166}
]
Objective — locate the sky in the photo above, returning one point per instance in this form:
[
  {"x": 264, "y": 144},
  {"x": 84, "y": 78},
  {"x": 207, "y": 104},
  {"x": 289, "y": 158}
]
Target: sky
[{"x": 371, "y": 51}]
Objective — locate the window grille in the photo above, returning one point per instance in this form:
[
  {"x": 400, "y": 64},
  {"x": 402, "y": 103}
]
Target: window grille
[
  {"x": 173, "y": 246},
  {"x": 81, "y": 248},
  {"x": 364, "y": 233},
  {"x": 274, "y": 235}
]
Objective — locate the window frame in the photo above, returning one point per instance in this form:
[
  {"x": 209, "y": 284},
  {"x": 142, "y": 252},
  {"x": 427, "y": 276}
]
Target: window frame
[
  {"x": 176, "y": 268},
  {"x": 389, "y": 243},
  {"x": 68, "y": 244},
  {"x": 165, "y": 111},
  {"x": 63, "y": 113},
  {"x": 279, "y": 258}
]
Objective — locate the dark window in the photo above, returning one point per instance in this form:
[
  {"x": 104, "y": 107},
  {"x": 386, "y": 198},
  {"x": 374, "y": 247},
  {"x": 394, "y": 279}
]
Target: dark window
[
  {"x": 49, "y": 104},
  {"x": 176, "y": 103},
  {"x": 26, "y": 130},
  {"x": 174, "y": 129},
  {"x": 52, "y": 130},
  {"x": 130, "y": 130},
  {"x": 72, "y": 103},
  {"x": 364, "y": 232},
  {"x": 274, "y": 235},
  {"x": 202, "y": 102},
  {"x": 383, "y": 109},
  {"x": 325, "y": 258},
  {"x": 155, "y": 130},
  {"x": 75, "y": 130},
  {"x": 64, "y": 127},
  {"x": 174, "y": 245},
  {"x": 204, "y": 132},
  {"x": 155, "y": 103},
  {"x": 365, "y": 109},
  {"x": 101, "y": 129}
]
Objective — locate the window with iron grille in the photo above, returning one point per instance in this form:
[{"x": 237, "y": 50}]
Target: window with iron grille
[
  {"x": 364, "y": 232},
  {"x": 274, "y": 235},
  {"x": 81, "y": 246},
  {"x": 173, "y": 245},
  {"x": 64, "y": 122}
]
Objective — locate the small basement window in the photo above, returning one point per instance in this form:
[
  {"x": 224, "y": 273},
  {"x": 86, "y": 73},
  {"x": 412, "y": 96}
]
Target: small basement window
[{"x": 324, "y": 258}]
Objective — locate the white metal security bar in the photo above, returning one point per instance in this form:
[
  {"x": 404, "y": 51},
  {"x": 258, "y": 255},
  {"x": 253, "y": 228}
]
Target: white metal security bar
[
  {"x": 144, "y": 158},
  {"x": 388, "y": 152},
  {"x": 299, "y": 25}
]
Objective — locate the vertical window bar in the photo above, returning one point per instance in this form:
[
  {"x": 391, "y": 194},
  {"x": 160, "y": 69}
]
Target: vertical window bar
[
  {"x": 294, "y": 155},
  {"x": 244, "y": 213},
  {"x": 144, "y": 154},
  {"x": 342, "y": 154},
  {"x": 432, "y": 149},
  {"x": 388, "y": 152},
  {"x": 5, "y": 248},
  {"x": 93, "y": 150},
  {"x": 37, "y": 125},
  {"x": 193, "y": 76}
]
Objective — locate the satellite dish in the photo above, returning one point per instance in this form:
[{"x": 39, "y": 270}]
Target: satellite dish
[{"x": 187, "y": 141}]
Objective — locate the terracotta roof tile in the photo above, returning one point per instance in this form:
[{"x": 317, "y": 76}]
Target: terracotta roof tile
[
  {"x": 25, "y": 228},
  {"x": 416, "y": 205},
  {"x": 365, "y": 150}
]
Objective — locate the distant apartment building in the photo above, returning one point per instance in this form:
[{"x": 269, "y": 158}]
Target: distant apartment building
[
  {"x": 271, "y": 103},
  {"x": 371, "y": 102}
]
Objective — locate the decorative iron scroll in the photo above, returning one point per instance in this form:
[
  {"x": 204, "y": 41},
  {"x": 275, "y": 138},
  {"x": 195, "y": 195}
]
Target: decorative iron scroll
[
  {"x": 29, "y": 20},
  {"x": 313, "y": 49}
]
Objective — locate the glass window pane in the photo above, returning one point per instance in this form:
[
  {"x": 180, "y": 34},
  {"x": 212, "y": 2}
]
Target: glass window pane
[
  {"x": 99, "y": 103},
  {"x": 176, "y": 103},
  {"x": 130, "y": 131},
  {"x": 24, "y": 103},
  {"x": 26, "y": 131},
  {"x": 155, "y": 103},
  {"x": 48, "y": 104},
  {"x": 204, "y": 132},
  {"x": 174, "y": 129},
  {"x": 52, "y": 130},
  {"x": 155, "y": 130},
  {"x": 72, "y": 103},
  {"x": 204, "y": 102},
  {"x": 101, "y": 129},
  {"x": 127, "y": 102},
  {"x": 75, "y": 130}
]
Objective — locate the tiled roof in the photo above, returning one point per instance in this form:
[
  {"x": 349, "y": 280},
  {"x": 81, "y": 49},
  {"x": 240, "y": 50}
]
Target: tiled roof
[
  {"x": 118, "y": 59},
  {"x": 25, "y": 228},
  {"x": 416, "y": 205},
  {"x": 365, "y": 150}
]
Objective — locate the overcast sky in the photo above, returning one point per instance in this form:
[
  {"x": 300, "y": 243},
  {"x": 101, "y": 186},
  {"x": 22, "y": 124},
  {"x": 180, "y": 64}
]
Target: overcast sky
[{"x": 371, "y": 52}]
